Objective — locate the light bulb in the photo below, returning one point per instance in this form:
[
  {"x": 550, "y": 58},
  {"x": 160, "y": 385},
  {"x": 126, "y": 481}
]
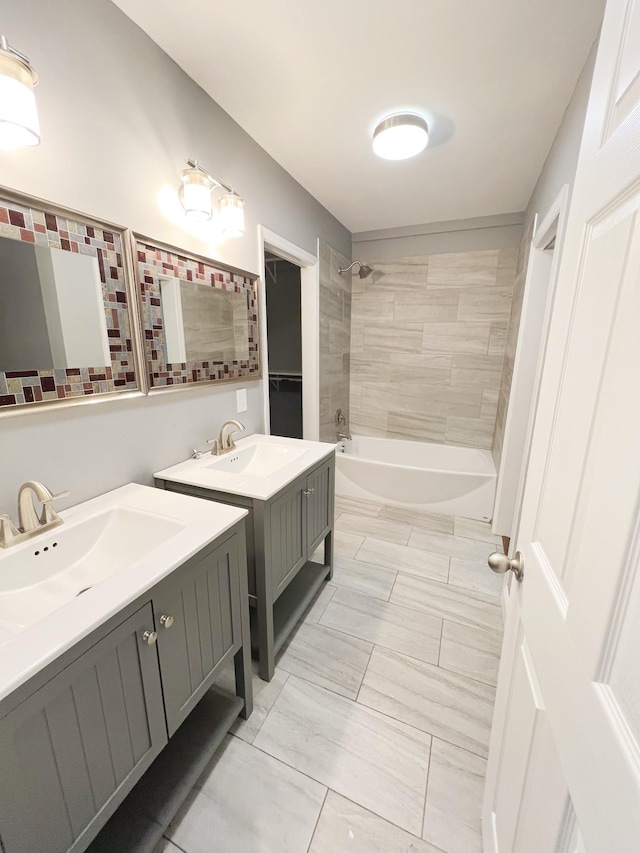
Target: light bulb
[{"x": 232, "y": 215}]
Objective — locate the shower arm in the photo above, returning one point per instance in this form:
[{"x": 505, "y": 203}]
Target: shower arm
[{"x": 346, "y": 269}]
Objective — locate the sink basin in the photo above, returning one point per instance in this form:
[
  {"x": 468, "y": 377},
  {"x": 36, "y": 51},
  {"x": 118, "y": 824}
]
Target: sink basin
[
  {"x": 259, "y": 467},
  {"x": 52, "y": 569},
  {"x": 257, "y": 460}
]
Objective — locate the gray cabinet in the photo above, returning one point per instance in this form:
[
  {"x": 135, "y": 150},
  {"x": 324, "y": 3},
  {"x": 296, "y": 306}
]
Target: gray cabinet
[
  {"x": 283, "y": 534},
  {"x": 72, "y": 750},
  {"x": 199, "y": 623},
  {"x": 76, "y": 739}
]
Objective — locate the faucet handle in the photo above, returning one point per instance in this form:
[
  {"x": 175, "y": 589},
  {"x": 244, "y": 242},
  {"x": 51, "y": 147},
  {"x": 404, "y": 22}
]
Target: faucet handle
[
  {"x": 8, "y": 531},
  {"x": 215, "y": 450},
  {"x": 48, "y": 512}
]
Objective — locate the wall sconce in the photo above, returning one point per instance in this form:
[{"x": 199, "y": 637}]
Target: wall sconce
[
  {"x": 195, "y": 198},
  {"x": 19, "y": 125}
]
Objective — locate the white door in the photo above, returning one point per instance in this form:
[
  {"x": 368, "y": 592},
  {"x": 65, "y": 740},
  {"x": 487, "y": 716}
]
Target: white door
[{"x": 564, "y": 761}]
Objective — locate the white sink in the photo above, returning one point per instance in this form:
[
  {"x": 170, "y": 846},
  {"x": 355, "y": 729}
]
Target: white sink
[
  {"x": 62, "y": 584},
  {"x": 54, "y": 568},
  {"x": 259, "y": 467},
  {"x": 258, "y": 460}
]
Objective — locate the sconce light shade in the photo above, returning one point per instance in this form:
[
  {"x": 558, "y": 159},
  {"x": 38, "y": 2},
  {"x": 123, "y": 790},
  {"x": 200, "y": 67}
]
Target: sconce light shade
[
  {"x": 400, "y": 136},
  {"x": 19, "y": 125},
  {"x": 232, "y": 213},
  {"x": 195, "y": 194}
]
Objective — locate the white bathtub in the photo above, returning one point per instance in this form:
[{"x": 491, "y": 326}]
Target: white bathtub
[{"x": 436, "y": 477}]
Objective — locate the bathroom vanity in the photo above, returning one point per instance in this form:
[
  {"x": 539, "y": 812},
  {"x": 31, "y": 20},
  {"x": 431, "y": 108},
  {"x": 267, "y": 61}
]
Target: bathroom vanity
[
  {"x": 126, "y": 616},
  {"x": 287, "y": 487}
]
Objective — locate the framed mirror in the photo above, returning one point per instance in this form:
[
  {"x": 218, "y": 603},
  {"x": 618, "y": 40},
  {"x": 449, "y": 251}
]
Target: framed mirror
[
  {"x": 199, "y": 318},
  {"x": 66, "y": 303}
]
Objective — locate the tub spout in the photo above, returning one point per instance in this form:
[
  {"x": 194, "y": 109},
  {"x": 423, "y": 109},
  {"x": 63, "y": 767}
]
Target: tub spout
[{"x": 345, "y": 436}]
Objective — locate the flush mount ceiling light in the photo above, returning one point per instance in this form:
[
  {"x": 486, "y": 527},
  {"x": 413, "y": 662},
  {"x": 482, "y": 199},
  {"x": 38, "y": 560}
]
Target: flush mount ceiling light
[
  {"x": 400, "y": 136},
  {"x": 19, "y": 124},
  {"x": 195, "y": 198}
]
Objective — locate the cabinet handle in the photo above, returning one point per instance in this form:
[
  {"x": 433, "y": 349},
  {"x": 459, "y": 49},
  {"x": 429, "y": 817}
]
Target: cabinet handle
[
  {"x": 166, "y": 621},
  {"x": 150, "y": 637},
  {"x": 308, "y": 492}
]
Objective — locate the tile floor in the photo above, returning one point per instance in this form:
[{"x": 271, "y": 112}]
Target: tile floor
[{"x": 372, "y": 737}]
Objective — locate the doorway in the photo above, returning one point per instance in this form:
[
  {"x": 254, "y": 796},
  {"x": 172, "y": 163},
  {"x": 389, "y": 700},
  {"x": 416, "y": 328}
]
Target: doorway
[
  {"x": 539, "y": 289},
  {"x": 284, "y": 345}
]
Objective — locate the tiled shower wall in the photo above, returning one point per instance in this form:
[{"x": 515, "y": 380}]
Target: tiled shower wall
[
  {"x": 427, "y": 346},
  {"x": 335, "y": 339},
  {"x": 513, "y": 328}
]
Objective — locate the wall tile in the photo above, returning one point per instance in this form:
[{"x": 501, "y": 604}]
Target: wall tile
[
  {"x": 428, "y": 340},
  {"x": 335, "y": 339}
]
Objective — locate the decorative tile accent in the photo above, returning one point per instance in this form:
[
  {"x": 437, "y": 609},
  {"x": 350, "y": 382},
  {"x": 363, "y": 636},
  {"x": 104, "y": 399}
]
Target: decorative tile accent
[
  {"x": 34, "y": 225},
  {"x": 154, "y": 264}
]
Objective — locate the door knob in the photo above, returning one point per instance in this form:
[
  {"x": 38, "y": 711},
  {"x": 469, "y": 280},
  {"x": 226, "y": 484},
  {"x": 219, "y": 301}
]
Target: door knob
[
  {"x": 500, "y": 564},
  {"x": 166, "y": 621},
  {"x": 150, "y": 637}
]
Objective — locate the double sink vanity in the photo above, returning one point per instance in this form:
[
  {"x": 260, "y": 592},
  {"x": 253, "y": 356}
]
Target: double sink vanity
[{"x": 117, "y": 619}]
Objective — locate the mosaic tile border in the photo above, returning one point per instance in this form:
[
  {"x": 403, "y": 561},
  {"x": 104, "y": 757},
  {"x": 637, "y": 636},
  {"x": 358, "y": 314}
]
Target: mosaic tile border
[
  {"x": 45, "y": 225},
  {"x": 156, "y": 262}
]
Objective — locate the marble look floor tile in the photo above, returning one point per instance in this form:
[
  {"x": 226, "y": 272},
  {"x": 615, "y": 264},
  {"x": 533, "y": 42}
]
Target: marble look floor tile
[
  {"x": 364, "y": 577},
  {"x": 452, "y": 818},
  {"x": 265, "y": 694},
  {"x": 451, "y": 546},
  {"x": 476, "y": 576},
  {"x": 447, "y": 602},
  {"x": 346, "y": 544},
  {"x": 357, "y": 506},
  {"x": 247, "y": 802},
  {"x": 376, "y": 528},
  {"x": 387, "y": 625},
  {"x": 436, "y": 701},
  {"x": 478, "y": 530},
  {"x": 329, "y": 658},
  {"x": 317, "y": 607},
  {"x": 345, "y": 827},
  {"x": 420, "y": 518},
  {"x": 405, "y": 559},
  {"x": 375, "y": 761},
  {"x": 471, "y": 652},
  {"x": 166, "y": 846}
]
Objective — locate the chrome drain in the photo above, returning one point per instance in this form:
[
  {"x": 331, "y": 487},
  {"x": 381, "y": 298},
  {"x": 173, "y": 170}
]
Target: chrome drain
[{"x": 83, "y": 590}]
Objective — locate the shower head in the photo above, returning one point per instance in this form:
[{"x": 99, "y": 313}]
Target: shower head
[{"x": 364, "y": 271}]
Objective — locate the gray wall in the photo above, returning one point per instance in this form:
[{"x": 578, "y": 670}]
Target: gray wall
[
  {"x": 118, "y": 118},
  {"x": 460, "y": 235}
]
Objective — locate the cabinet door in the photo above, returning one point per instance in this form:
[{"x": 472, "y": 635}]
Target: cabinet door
[
  {"x": 201, "y": 601},
  {"x": 286, "y": 542},
  {"x": 71, "y": 752},
  {"x": 319, "y": 501}
]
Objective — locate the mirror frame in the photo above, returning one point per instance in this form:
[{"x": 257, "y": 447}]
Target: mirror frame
[
  {"x": 160, "y": 260},
  {"x": 33, "y": 220}
]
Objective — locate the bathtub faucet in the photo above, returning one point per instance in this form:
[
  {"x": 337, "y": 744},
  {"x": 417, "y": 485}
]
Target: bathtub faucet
[{"x": 344, "y": 435}]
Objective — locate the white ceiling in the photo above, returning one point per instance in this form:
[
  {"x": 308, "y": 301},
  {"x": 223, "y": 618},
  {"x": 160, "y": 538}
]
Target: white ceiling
[{"x": 309, "y": 82}]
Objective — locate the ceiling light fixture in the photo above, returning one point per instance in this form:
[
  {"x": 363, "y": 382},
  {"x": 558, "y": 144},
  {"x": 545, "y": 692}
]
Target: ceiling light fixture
[
  {"x": 19, "y": 124},
  {"x": 400, "y": 136},
  {"x": 195, "y": 198}
]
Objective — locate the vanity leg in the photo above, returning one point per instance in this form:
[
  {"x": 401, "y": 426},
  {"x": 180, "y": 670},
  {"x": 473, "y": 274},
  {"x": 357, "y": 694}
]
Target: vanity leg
[
  {"x": 328, "y": 552},
  {"x": 242, "y": 658},
  {"x": 266, "y": 647}
]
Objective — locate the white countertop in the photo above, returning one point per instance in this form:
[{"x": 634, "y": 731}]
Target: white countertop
[
  {"x": 200, "y": 522},
  {"x": 204, "y": 473}
]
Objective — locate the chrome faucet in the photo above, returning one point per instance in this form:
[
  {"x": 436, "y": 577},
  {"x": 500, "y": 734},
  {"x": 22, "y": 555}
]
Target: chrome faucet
[
  {"x": 225, "y": 443},
  {"x": 30, "y": 523},
  {"x": 345, "y": 436}
]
